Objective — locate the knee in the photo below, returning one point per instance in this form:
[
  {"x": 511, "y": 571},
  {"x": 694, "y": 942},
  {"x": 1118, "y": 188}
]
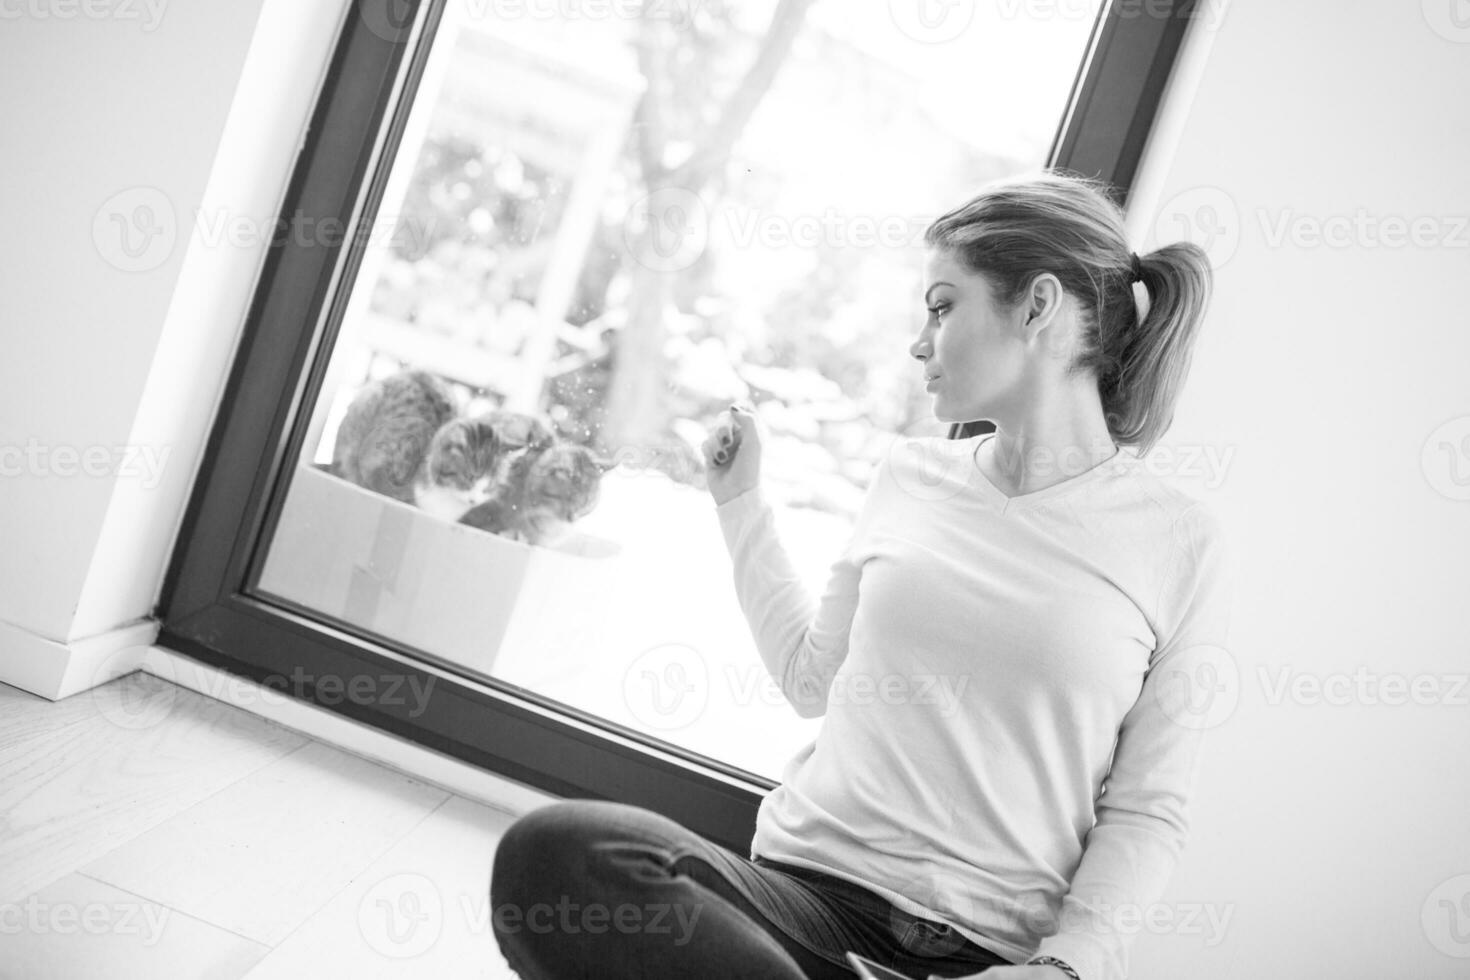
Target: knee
[{"x": 547, "y": 843}]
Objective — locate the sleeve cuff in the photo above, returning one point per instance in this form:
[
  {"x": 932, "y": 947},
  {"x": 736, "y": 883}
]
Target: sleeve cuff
[
  {"x": 741, "y": 505},
  {"x": 1080, "y": 953}
]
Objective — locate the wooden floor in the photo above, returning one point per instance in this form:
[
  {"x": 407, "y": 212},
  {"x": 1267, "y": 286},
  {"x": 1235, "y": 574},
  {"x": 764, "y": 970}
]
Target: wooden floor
[{"x": 148, "y": 831}]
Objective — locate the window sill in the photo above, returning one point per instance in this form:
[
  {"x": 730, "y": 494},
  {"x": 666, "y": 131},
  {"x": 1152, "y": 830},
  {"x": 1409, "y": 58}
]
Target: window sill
[{"x": 343, "y": 733}]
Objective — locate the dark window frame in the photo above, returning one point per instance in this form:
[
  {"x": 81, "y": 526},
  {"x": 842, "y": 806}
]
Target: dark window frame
[{"x": 207, "y": 612}]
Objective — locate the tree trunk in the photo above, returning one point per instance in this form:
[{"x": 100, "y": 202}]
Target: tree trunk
[
  {"x": 633, "y": 411},
  {"x": 633, "y": 414}
]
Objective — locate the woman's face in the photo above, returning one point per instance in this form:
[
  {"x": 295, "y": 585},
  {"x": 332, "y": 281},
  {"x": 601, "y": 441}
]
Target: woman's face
[{"x": 975, "y": 348}]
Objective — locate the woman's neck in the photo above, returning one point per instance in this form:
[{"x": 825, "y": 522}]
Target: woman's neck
[{"x": 1045, "y": 448}]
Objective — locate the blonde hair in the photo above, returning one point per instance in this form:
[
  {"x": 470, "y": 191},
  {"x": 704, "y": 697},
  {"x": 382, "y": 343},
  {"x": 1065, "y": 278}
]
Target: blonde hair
[{"x": 1066, "y": 224}]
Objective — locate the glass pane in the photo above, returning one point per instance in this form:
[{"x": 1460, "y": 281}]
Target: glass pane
[{"x": 604, "y": 223}]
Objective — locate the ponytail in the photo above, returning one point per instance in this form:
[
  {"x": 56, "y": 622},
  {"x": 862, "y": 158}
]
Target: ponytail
[
  {"x": 1066, "y": 224},
  {"x": 1153, "y": 357}
]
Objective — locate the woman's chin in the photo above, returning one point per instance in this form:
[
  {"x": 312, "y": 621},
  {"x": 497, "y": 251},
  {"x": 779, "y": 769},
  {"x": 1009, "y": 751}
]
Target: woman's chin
[
  {"x": 946, "y": 411},
  {"x": 942, "y": 412}
]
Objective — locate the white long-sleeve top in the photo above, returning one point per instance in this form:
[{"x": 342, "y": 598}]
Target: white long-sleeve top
[{"x": 1014, "y": 691}]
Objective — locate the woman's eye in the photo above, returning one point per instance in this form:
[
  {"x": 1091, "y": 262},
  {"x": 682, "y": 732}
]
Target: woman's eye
[{"x": 939, "y": 310}]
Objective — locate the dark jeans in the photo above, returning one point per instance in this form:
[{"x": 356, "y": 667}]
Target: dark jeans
[{"x": 589, "y": 888}]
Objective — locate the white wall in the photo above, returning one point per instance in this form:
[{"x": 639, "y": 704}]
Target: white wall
[
  {"x": 1326, "y": 832},
  {"x": 102, "y": 114},
  {"x": 1329, "y": 830}
]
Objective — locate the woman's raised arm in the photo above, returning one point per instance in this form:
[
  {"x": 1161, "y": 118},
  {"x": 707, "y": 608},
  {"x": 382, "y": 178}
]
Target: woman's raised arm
[{"x": 801, "y": 640}]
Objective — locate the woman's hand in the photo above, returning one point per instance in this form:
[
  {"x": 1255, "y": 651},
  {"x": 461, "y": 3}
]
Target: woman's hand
[
  {"x": 1013, "y": 973},
  {"x": 732, "y": 454}
]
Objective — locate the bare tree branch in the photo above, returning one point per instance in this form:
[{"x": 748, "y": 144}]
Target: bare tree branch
[{"x": 713, "y": 147}]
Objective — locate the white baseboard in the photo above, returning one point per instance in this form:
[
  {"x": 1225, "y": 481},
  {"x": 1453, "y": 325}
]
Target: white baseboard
[
  {"x": 399, "y": 754},
  {"x": 54, "y": 669}
]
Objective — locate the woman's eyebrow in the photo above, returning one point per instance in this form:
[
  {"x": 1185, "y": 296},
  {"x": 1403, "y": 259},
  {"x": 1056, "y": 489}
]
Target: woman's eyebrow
[{"x": 934, "y": 287}]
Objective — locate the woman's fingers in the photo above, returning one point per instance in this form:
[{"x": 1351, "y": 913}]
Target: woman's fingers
[
  {"x": 718, "y": 446},
  {"x": 721, "y": 445}
]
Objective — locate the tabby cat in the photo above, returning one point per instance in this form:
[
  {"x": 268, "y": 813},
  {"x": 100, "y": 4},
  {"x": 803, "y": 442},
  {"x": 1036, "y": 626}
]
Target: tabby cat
[
  {"x": 543, "y": 492},
  {"x": 465, "y": 461},
  {"x": 387, "y": 431},
  {"x": 520, "y": 431},
  {"x": 400, "y": 438}
]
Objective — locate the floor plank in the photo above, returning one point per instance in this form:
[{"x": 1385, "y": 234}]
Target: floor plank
[
  {"x": 263, "y": 855},
  {"x": 420, "y": 910},
  {"x": 81, "y": 776},
  {"x": 78, "y": 928}
]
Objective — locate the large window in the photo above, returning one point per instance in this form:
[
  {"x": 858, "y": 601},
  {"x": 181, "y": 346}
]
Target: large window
[{"x": 459, "y": 452}]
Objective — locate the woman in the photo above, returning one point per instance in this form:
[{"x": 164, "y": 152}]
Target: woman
[{"x": 1009, "y": 739}]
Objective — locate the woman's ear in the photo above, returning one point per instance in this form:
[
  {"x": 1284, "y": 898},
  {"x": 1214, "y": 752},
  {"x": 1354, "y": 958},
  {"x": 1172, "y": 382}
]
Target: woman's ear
[
  {"x": 1041, "y": 319},
  {"x": 1042, "y": 300}
]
